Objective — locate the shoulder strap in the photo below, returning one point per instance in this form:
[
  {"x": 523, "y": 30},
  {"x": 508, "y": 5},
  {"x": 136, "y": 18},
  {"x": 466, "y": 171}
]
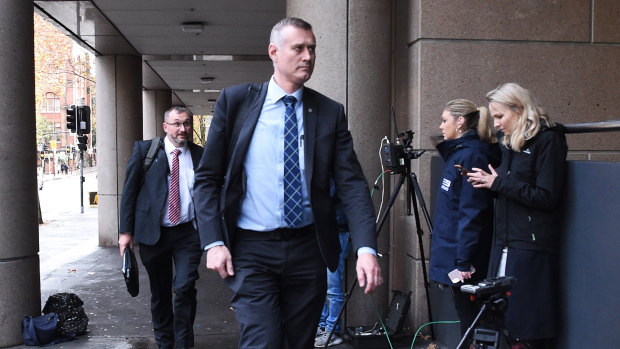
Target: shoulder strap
[{"x": 148, "y": 160}]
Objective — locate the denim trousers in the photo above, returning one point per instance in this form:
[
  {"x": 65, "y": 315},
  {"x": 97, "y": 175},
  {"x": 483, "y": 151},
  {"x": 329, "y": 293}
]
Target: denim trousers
[{"x": 335, "y": 294}]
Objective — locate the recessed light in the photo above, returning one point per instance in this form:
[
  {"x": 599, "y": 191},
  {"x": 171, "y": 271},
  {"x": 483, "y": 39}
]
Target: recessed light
[
  {"x": 206, "y": 79},
  {"x": 192, "y": 27}
]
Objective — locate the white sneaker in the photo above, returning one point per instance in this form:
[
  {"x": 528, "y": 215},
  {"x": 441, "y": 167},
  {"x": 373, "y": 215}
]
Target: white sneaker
[
  {"x": 320, "y": 341},
  {"x": 319, "y": 332}
]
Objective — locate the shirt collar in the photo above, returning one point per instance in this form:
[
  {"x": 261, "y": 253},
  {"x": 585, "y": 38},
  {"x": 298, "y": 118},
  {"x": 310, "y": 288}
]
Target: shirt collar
[
  {"x": 169, "y": 147},
  {"x": 275, "y": 92}
]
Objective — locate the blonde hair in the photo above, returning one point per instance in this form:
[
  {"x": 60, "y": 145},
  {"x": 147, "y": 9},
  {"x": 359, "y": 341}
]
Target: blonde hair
[
  {"x": 530, "y": 115},
  {"x": 476, "y": 118}
]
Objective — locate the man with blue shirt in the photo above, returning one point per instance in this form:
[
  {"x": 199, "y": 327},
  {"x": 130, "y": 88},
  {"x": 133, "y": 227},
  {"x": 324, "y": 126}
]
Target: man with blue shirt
[{"x": 265, "y": 214}]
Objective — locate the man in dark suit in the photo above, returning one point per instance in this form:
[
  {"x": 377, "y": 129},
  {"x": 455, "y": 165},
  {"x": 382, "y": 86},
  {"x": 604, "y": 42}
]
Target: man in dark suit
[
  {"x": 263, "y": 204},
  {"x": 157, "y": 211}
]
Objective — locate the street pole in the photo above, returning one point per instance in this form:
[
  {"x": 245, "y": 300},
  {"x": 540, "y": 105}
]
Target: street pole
[{"x": 82, "y": 180}]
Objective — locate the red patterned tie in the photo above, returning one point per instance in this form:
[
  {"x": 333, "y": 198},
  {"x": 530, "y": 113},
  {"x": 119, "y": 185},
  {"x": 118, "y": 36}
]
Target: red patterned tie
[{"x": 174, "y": 205}]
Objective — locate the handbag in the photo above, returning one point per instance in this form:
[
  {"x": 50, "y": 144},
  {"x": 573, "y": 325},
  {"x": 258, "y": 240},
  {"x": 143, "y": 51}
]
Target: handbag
[
  {"x": 39, "y": 330},
  {"x": 130, "y": 272}
]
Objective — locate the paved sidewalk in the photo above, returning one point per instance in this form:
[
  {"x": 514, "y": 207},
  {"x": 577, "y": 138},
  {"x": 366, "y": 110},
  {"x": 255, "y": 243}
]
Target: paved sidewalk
[{"x": 71, "y": 261}]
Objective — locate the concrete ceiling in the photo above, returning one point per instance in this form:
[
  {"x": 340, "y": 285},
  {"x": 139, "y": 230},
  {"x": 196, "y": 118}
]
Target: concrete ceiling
[{"x": 231, "y": 48}]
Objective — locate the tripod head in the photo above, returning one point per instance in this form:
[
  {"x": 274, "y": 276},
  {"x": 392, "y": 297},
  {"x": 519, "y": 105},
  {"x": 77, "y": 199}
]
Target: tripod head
[{"x": 488, "y": 327}]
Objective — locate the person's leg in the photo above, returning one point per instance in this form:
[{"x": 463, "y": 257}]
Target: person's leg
[
  {"x": 323, "y": 318},
  {"x": 158, "y": 263},
  {"x": 186, "y": 254},
  {"x": 335, "y": 293},
  {"x": 255, "y": 293},
  {"x": 302, "y": 291},
  {"x": 465, "y": 308}
]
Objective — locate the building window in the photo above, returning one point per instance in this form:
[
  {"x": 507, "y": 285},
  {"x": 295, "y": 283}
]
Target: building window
[{"x": 50, "y": 104}]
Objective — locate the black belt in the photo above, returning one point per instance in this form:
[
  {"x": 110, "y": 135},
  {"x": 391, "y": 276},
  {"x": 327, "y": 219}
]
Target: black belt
[
  {"x": 179, "y": 227},
  {"x": 280, "y": 234}
]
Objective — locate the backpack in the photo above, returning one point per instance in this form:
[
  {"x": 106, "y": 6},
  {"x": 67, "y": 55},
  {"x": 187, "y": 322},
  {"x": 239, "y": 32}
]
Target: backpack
[{"x": 72, "y": 319}]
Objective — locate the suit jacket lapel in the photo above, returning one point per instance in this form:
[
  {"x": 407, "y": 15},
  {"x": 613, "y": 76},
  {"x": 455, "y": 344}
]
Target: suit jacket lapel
[
  {"x": 310, "y": 124},
  {"x": 247, "y": 129},
  {"x": 196, "y": 155}
]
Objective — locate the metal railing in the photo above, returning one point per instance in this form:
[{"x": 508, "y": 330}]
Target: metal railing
[{"x": 587, "y": 127}]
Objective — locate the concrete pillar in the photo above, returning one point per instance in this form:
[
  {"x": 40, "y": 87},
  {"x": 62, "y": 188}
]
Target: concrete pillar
[
  {"x": 20, "y": 293},
  {"x": 154, "y": 104},
  {"x": 353, "y": 67},
  {"x": 119, "y": 125}
]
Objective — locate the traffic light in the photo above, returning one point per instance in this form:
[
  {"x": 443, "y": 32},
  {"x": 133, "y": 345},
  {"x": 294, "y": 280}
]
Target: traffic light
[
  {"x": 68, "y": 149},
  {"x": 72, "y": 118},
  {"x": 84, "y": 120},
  {"x": 83, "y": 141}
]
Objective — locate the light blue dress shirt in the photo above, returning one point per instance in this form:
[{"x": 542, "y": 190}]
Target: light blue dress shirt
[{"x": 262, "y": 208}]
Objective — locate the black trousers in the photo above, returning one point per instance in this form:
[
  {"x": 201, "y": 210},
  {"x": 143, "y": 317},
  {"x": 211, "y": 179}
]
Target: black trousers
[
  {"x": 278, "y": 288},
  {"x": 172, "y": 264}
]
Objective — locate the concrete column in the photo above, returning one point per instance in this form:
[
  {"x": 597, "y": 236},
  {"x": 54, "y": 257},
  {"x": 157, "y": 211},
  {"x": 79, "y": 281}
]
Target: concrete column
[
  {"x": 154, "y": 104},
  {"x": 353, "y": 67},
  {"x": 20, "y": 293},
  {"x": 119, "y": 125}
]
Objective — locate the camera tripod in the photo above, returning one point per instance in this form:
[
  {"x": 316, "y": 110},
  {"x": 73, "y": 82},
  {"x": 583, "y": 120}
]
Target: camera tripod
[
  {"x": 413, "y": 192},
  {"x": 488, "y": 326}
]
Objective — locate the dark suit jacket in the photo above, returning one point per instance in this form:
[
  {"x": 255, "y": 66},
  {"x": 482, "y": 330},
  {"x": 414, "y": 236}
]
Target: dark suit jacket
[
  {"x": 141, "y": 205},
  {"x": 220, "y": 184}
]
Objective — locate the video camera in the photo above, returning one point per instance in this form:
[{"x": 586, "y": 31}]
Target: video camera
[
  {"x": 490, "y": 286},
  {"x": 395, "y": 153}
]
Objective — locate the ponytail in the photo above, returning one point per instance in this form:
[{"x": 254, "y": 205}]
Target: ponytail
[
  {"x": 476, "y": 118},
  {"x": 485, "y": 126}
]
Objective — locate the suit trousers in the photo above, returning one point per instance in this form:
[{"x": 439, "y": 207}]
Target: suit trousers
[
  {"x": 172, "y": 264},
  {"x": 278, "y": 288}
]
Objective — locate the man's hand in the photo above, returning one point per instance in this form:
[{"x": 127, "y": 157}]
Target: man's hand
[
  {"x": 220, "y": 260},
  {"x": 124, "y": 240},
  {"x": 368, "y": 272}
]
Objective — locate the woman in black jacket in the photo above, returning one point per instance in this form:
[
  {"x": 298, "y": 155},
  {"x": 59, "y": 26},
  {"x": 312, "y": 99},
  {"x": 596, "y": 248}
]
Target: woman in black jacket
[
  {"x": 528, "y": 184},
  {"x": 463, "y": 215}
]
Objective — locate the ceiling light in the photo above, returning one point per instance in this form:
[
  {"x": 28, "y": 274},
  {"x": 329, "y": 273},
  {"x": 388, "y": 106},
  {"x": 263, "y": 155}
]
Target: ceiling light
[
  {"x": 192, "y": 27},
  {"x": 206, "y": 79}
]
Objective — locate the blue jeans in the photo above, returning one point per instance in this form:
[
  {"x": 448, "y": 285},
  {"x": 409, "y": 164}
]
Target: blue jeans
[{"x": 335, "y": 293}]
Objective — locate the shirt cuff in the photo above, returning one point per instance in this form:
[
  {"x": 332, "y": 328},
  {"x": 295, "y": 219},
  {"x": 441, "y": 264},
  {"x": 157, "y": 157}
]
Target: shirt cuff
[
  {"x": 363, "y": 250},
  {"x": 213, "y": 244}
]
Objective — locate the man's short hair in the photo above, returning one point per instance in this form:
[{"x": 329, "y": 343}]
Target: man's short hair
[
  {"x": 276, "y": 31},
  {"x": 179, "y": 109}
]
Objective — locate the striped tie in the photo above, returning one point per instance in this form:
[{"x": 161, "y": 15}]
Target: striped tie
[{"x": 174, "y": 204}]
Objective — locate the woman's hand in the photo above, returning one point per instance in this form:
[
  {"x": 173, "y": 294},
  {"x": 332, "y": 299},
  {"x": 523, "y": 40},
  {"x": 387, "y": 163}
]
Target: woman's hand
[{"x": 480, "y": 179}]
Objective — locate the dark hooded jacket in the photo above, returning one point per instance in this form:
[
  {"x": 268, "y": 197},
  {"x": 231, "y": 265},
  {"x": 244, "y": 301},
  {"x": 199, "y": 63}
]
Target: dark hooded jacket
[{"x": 463, "y": 222}]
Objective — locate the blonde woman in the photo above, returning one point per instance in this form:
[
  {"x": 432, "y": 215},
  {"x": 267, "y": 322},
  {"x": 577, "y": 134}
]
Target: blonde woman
[
  {"x": 528, "y": 185},
  {"x": 463, "y": 215}
]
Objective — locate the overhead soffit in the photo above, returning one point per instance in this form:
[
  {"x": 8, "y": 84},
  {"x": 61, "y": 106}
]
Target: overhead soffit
[{"x": 232, "y": 48}]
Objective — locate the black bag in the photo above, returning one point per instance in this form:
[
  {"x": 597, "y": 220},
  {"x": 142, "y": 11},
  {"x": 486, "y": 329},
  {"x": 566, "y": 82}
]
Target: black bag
[
  {"x": 397, "y": 312},
  {"x": 72, "y": 319},
  {"x": 39, "y": 330},
  {"x": 130, "y": 272}
]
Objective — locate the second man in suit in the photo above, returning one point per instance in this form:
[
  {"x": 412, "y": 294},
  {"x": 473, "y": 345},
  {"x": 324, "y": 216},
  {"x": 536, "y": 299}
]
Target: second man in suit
[
  {"x": 157, "y": 211},
  {"x": 264, "y": 209}
]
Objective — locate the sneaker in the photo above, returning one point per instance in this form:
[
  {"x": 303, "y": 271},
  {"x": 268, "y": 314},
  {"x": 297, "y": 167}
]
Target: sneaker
[
  {"x": 320, "y": 341},
  {"x": 319, "y": 331}
]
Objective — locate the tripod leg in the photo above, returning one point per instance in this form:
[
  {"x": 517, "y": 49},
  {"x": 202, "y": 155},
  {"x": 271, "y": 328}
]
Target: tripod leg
[
  {"x": 418, "y": 192},
  {"x": 400, "y": 182},
  {"x": 413, "y": 184}
]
